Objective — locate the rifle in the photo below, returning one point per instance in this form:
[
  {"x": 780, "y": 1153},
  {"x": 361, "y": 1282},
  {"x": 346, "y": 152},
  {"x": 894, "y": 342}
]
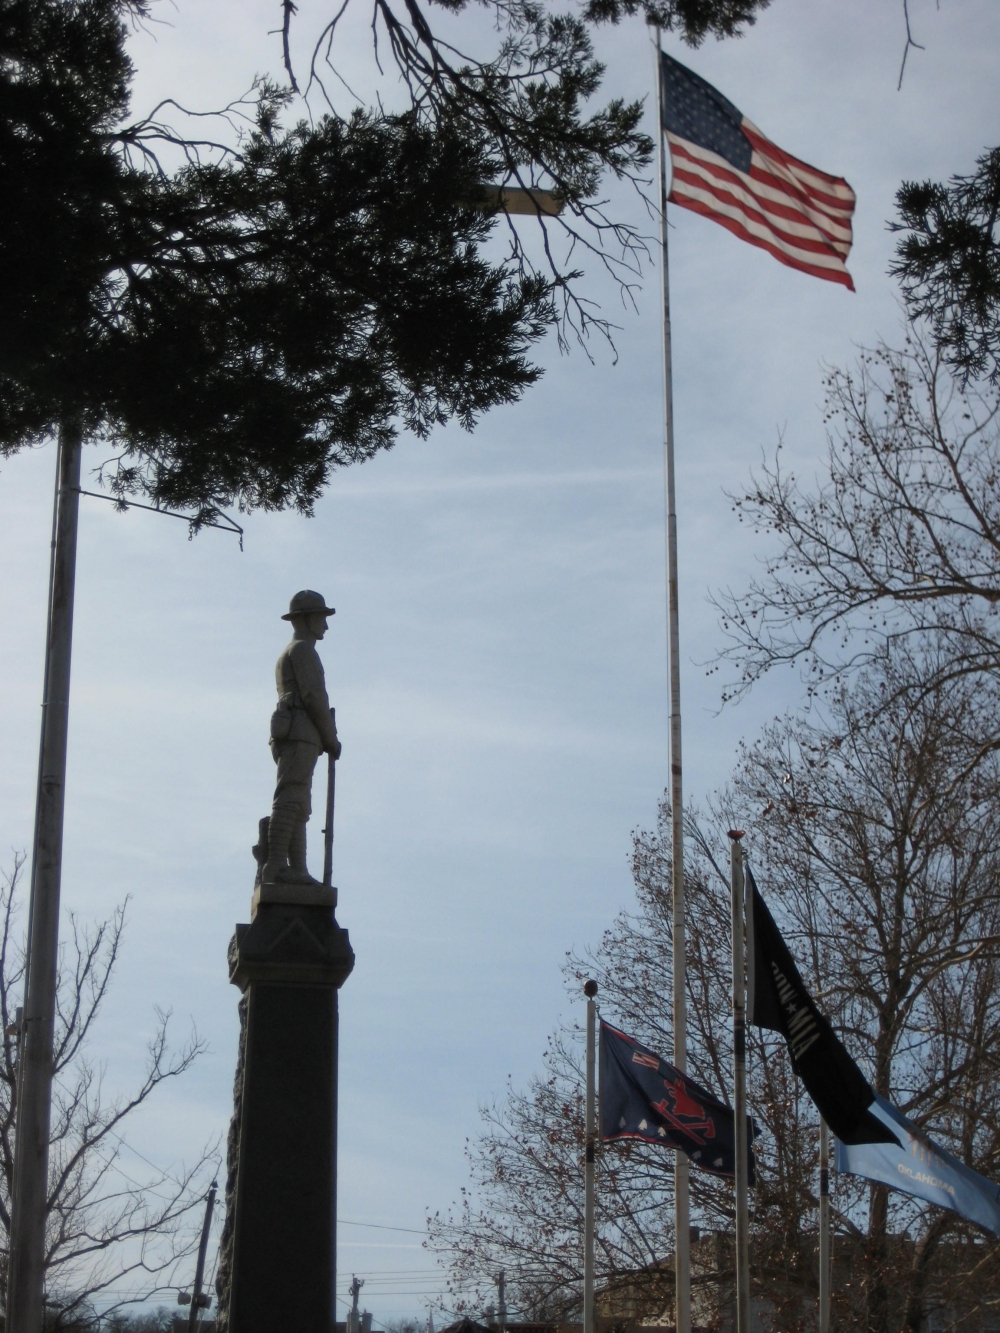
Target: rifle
[{"x": 331, "y": 780}]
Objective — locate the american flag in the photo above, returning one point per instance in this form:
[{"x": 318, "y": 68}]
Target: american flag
[{"x": 725, "y": 169}]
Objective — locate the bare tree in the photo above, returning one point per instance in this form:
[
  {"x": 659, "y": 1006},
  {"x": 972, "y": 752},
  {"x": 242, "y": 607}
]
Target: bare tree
[
  {"x": 875, "y": 841},
  {"x": 112, "y": 1238},
  {"x": 877, "y": 827},
  {"x": 898, "y": 542},
  {"x": 523, "y": 1212}
]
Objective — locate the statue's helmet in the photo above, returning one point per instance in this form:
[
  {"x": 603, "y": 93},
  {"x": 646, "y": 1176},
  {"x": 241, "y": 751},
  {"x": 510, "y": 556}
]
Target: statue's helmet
[{"x": 308, "y": 603}]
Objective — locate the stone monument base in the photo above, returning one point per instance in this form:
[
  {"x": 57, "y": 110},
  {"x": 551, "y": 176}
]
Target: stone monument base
[
  {"x": 278, "y": 1269},
  {"x": 293, "y": 895}
]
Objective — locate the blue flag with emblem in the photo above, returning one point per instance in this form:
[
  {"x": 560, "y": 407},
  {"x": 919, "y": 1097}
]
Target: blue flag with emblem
[
  {"x": 642, "y": 1096},
  {"x": 921, "y": 1168}
]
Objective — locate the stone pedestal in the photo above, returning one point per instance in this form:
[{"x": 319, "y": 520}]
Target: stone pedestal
[{"x": 289, "y": 962}]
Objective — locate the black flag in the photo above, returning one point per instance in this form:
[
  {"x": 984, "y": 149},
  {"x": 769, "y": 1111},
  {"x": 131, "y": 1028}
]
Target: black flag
[
  {"x": 644, "y": 1097},
  {"x": 777, "y": 999}
]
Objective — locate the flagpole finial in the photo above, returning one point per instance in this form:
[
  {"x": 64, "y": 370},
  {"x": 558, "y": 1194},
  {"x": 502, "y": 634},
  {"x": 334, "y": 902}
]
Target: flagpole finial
[
  {"x": 736, "y": 834},
  {"x": 590, "y": 989}
]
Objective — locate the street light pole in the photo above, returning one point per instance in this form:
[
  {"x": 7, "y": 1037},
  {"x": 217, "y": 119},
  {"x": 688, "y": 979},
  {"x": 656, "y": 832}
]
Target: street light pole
[
  {"x": 198, "y": 1301},
  {"x": 31, "y": 1166}
]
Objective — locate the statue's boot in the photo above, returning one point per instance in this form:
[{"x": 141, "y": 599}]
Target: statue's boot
[
  {"x": 299, "y": 871},
  {"x": 282, "y": 826}
]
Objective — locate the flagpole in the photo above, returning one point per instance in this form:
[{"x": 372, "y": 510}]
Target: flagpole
[
  {"x": 682, "y": 1203},
  {"x": 590, "y": 1152},
  {"x": 824, "y": 1227},
  {"x": 740, "y": 1087}
]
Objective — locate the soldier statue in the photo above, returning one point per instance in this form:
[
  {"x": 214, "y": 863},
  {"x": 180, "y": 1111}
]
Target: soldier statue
[{"x": 302, "y": 726}]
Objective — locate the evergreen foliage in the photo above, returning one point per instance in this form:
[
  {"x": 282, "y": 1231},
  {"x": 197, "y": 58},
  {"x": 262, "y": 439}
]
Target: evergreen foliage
[
  {"x": 694, "y": 20},
  {"x": 949, "y": 264},
  {"x": 241, "y": 325},
  {"x": 238, "y": 320}
]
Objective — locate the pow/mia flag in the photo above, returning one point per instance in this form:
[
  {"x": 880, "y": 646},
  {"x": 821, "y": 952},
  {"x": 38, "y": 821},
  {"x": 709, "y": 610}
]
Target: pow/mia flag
[
  {"x": 644, "y": 1097},
  {"x": 777, "y": 999}
]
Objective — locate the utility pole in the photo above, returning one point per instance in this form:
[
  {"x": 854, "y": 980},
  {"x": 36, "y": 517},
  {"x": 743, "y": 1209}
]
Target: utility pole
[
  {"x": 502, "y": 1302},
  {"x": 198, "y": 1301},
  {"x": 354, "y": 1318},
  {"x": 31, "y": 1167},
  {"x": 36, "y": 1026}
]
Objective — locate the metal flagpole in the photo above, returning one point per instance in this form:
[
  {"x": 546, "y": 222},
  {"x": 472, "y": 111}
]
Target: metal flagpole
[
  {"x": 824, "y": 1227},
  {"x": 740, "y": 1086},
  {"x": 590, "y": 1153},
  {"x": 682, "y": 1202},
  {"x": 27, "y": 1251}
]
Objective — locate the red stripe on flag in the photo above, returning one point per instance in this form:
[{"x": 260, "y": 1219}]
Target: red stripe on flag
[
  {"x": 808, "y": 221},
  {"x": 761, "y": 188},
  {"x": 817, "y": 244},
  {"x": 769, "y": 148},
  {"x": 767, "y": 173},
  {"x": 789, "y": 212},
  {"x": 732, "y": 224},
  {"x": 820, "y": 256},
  {"x": 762, "y": 169}
]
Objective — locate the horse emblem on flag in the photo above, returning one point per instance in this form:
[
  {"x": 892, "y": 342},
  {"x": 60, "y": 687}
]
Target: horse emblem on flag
[
  {"x": 643, "y": 1096},
  {"x": 686, "y": 1115}
]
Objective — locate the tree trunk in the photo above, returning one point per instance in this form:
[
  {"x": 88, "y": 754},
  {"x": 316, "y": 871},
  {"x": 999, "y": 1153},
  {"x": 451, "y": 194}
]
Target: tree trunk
[
  {"x": 922, "y": 1255},
  {"x": 875, "y": 1261}
]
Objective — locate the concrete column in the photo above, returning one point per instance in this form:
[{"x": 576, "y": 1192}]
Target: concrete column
[{"x": 289, "y": 963}]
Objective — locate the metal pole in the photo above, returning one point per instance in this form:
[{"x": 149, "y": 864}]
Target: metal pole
[
  {"x": 682, "y": 1203},
  {"x": 590, "y": 1153},
  {"x": 197, "y": 1301},
  {"x": 331, "y": 782},
  {"x": 56, "y": 489},
  {"x": 740, "y": 1087},
  {"x": 27, "y": 1253},
  {"x": 824, "y": 1227},
  {"x": 38, "y": 784}
]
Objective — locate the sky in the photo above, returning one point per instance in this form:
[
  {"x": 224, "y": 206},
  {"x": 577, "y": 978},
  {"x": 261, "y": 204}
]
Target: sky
[{"x": 498, "y": 656}]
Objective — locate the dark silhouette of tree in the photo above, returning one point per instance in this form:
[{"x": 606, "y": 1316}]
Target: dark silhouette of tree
[
  {"x": 111, "y": 1238},
  {"x": 236, "y": 318},
  {"x": 237, "y": 326},
  {"x": 523, "y": 93},
  {"x": 948, "y": 262},
  {"x": 160, "y": 1320}
]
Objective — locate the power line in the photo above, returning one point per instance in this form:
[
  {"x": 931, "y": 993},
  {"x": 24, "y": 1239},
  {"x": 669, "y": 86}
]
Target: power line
[{"x": 378, "y": 1226}]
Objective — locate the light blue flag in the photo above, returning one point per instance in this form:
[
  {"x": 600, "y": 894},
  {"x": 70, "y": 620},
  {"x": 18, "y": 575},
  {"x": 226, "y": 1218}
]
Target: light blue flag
[{"x": 922, "y": 1169}]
